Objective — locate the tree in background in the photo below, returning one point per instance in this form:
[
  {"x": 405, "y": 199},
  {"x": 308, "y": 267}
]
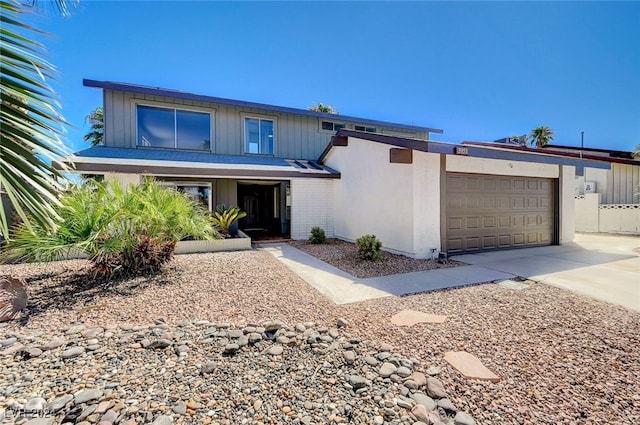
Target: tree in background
[
  {"x": 636, "y": 152},
  {"x": 320, "y": 107},
  {"x": 541, "y": 136},
  {"x": 96, "y": 122},
  {"x": 31, "y": 127}
]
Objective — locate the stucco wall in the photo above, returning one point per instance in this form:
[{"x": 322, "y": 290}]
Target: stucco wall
[
  {"x": 500, "y": 167},
  {"x": 311, "y": 206},
  {"x": 567, "y": 207},
  {"x": 587, "y": 212},
  {"x": 399, "y": 203}
]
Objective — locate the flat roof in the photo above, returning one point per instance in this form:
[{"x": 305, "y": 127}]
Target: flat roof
[
  {"x": 485, "y": 150},
  {"x": 157, "y": 91},
  {"x": 579, "y": 153}
]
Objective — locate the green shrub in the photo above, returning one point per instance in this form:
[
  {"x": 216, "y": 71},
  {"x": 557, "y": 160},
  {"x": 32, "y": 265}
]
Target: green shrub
[
  {"x": 225, "y": 217},
  {"x": 123, "y": 231},
  {"x": 369, "y": 248},
  {"x": 317, "y": 235}
]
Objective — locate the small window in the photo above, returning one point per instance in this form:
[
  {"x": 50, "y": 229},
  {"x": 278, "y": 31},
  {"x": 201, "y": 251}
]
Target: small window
[
  {"x": 331, "y": 126},
  {"x": 364, "y": 128},
  {"x": 173, "y": 128},
  {"x": 258, "y": 136}
]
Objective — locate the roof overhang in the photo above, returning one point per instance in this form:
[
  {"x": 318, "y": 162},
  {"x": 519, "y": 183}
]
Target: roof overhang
[
  {"x": 176, "y": 94},
  {"x": 472, "y": 150},
  {"x": 100, "y": 159}
]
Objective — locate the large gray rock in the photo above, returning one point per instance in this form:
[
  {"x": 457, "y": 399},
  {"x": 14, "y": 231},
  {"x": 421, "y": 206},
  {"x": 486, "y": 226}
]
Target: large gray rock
[
  {"x": 424, "y": 400},
  {"x": 72, "y": 352},
  {"x": 463, "y": 419},
  {"x": 387, "y": 369},
  {"x": 87, "y": 395}
]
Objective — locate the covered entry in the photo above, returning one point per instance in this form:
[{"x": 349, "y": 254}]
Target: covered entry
[{"x": 487, "y": 212}]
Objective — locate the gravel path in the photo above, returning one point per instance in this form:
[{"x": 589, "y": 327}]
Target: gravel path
[
  {"x": 344, "y": 255},
  {"x": 564, "y": 358}
]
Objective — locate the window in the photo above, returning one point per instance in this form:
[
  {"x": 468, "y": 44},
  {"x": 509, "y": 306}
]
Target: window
[
  {"x": 173, "y": 128},
  {"x": 258, "y": 136},
  {"x": 363, "y": 128},
  {"x": 331, "y": 126},
  {"x": 196, "y": 192}
]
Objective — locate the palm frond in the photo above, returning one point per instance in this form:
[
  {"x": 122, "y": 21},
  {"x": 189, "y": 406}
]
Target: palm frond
[{"x": 32, "y": 126}]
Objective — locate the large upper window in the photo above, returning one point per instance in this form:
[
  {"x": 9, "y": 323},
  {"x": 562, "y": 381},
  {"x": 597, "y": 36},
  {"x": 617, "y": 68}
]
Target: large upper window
[
  {"x": 258, "y": 136},
  {"x": 173, "y": 128}
]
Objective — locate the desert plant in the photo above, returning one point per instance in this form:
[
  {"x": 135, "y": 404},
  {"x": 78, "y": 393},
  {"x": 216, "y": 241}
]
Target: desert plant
[
  {"x": 224, "y": 217},
  {"x": 317, "y": 235},
  {"x": 369, "y": 248},
  {"x": 123, "y": 230}
]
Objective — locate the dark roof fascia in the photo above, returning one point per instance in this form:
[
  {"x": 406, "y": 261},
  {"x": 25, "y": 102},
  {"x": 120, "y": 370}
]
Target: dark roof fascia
[
  {"x": 157, "y": 91},
  {"x": 612, "y": 152},
  {"x": 547, "y": 151},
  {"x": 474, "y": 150},
  {"x": 341, "y": 139}
]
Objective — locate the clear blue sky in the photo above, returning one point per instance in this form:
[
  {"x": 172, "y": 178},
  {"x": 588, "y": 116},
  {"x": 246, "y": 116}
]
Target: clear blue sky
[{"x": 480, "y": 71}]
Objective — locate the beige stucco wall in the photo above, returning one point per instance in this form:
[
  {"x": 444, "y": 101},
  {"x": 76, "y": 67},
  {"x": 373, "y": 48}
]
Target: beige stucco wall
[
  {"x": 500, "y": 167},
  {"x": 426, "y": 203}
]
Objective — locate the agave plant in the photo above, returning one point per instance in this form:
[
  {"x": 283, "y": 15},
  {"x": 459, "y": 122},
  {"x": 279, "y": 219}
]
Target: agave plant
[
  {"x": 122, "y": 230},
  {"x": 224, "y": 217}
]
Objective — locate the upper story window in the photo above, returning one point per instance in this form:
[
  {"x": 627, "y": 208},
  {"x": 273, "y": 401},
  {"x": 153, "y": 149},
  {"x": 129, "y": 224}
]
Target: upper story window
[
  {"x": 331, "y": 126},
  {"x": 173, "y": 128},
  {"x": 364, "y": 128},
  {"x": 258, "y": 135}
]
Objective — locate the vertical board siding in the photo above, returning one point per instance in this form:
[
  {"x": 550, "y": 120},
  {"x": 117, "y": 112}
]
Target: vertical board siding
[
  {"x": 297, "y": 136},
  {"x": 623, "y": 184}
]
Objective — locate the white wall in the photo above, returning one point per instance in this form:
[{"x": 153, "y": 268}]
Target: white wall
[
  {"x": 311, "y": 206},
  {"x": 619, "y": 218},
  {"x": 587, "y": 212},
  {"x": 373, "y": 196},
  {"x": 426, "y": 203},
  {"x": 500, "y": 167},
  {"x": 399, "y": 203},
  {"x": 567, "y": 205}
]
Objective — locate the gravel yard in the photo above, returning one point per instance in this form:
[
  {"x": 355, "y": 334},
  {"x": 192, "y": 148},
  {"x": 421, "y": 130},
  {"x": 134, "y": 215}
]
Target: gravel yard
[
  {"x": 344, "y": 255},
  {"x": 563, "y": 358}
]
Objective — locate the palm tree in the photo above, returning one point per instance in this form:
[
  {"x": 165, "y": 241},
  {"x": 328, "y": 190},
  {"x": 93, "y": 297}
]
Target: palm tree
[
  {"x": 541, "y": 136},
  {"x": 31, "y": 126},
  {"x": 96, "y": 120},
  {"x": 636, "y": 152},
  {"x": 320, "y": 107}
]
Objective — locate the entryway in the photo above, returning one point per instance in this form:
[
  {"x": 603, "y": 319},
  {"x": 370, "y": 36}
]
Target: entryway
[{"x": 267, "y": 206}]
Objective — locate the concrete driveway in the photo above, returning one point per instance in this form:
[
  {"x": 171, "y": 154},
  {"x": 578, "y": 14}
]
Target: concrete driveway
[{"x": 600, "y": 266}]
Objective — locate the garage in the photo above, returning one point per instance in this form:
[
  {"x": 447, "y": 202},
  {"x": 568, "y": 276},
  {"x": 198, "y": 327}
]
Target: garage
[{"x": 488, "y": 212}]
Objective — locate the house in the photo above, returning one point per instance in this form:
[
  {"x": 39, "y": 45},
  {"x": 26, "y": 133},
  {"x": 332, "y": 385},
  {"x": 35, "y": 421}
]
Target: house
[{"x": 293, "y": 169}]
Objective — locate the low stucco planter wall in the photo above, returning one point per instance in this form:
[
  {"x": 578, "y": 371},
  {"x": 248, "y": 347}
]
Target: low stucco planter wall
[{"x": 232, "y": 244}]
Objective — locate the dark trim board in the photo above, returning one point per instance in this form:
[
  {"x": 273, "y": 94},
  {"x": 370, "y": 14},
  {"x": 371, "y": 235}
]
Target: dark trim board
[{"x": 488, "y": 152}]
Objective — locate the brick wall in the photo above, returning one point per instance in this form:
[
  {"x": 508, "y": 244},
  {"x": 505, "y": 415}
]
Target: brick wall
[{"x": 311, "y": 205}]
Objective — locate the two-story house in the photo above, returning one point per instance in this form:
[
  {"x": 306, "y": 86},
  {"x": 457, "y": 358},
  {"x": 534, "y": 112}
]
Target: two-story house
[
  {"x": 260, "y": 157},
  {"x": 293, "y": 169}
]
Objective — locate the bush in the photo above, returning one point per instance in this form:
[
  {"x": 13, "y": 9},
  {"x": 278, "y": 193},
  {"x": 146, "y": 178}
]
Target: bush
[
  {"x": 369, "y": 248},
  {"x": 225, "y": 217},
  {"x": 317, "y": 235},
  {"x": 124, "y": 231}
]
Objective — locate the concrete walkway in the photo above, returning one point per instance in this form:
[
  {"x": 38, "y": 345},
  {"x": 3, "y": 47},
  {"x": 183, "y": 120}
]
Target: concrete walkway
[{"x": 600, "y": 266}]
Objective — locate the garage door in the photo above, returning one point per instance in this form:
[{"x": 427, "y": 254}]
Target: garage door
[{"x": 485, "y": 212}]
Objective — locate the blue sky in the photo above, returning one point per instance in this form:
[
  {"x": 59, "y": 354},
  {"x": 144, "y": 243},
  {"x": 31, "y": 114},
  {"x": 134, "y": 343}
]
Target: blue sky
[{"x": 480, "y": 71}]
